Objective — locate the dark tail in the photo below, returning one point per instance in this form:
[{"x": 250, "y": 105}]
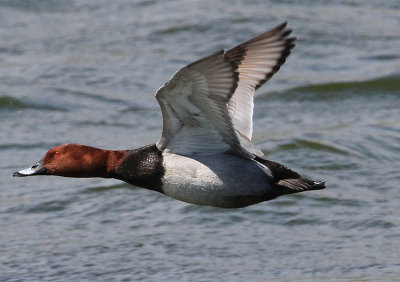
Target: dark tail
[
  {"x": 296, "y": 185},
  {"x": 287, "y": 181}
]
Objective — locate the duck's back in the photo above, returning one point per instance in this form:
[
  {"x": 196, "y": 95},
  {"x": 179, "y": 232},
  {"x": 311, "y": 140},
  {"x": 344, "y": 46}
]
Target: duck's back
[{"x": 222, "y": 180}]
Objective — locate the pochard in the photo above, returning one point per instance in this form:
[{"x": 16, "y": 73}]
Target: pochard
[{"x": 204, "y": 155}]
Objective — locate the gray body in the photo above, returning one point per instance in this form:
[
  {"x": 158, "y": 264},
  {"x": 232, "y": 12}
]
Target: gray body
[{"x": 223, "y": 180}]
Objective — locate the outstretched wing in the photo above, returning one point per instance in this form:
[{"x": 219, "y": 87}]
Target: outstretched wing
[{"x": 207, "y": 106}]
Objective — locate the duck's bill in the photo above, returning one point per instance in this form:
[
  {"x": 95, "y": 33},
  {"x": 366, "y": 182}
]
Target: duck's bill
[{"x": 36, "y": 169}]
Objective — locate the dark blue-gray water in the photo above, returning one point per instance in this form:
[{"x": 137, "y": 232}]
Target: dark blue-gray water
[{"x": 86, "y": 72}]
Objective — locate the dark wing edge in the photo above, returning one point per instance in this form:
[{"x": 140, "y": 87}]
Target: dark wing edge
[{"x": 272, "y": 38}]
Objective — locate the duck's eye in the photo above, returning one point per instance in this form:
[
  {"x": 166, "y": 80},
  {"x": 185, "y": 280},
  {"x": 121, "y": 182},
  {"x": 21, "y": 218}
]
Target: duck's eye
[{"x": 57, "y": 153}]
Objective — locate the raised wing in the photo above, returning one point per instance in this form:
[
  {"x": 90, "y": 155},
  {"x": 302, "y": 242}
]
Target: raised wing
[
  {"x": 207, "y": 106},
  {"x": 258, "y": 60}
]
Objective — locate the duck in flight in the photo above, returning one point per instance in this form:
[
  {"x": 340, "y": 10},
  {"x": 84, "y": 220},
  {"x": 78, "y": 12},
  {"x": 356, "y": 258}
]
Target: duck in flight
[{"x": 204, "y": 155}]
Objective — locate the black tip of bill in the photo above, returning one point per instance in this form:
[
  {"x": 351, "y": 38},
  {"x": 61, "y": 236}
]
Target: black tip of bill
[{"x": 18, "y": 174}]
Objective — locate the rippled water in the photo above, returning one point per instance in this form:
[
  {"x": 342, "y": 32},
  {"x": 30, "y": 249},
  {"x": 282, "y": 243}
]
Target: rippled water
[{"x": 86, "y": 72}]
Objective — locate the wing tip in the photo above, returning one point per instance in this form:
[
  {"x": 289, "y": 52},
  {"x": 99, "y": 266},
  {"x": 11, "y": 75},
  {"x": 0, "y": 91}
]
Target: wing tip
[
  {"x": 289, "y": 44},
  {"x": 281, "y": 26}
]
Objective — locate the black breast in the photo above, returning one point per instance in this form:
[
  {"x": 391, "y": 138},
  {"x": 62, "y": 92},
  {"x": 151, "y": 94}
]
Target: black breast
[{"x": 142, "y": 167}]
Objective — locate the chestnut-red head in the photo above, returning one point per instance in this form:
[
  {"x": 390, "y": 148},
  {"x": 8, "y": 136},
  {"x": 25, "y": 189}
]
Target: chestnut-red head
[{"x": 72, "y": 160}]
